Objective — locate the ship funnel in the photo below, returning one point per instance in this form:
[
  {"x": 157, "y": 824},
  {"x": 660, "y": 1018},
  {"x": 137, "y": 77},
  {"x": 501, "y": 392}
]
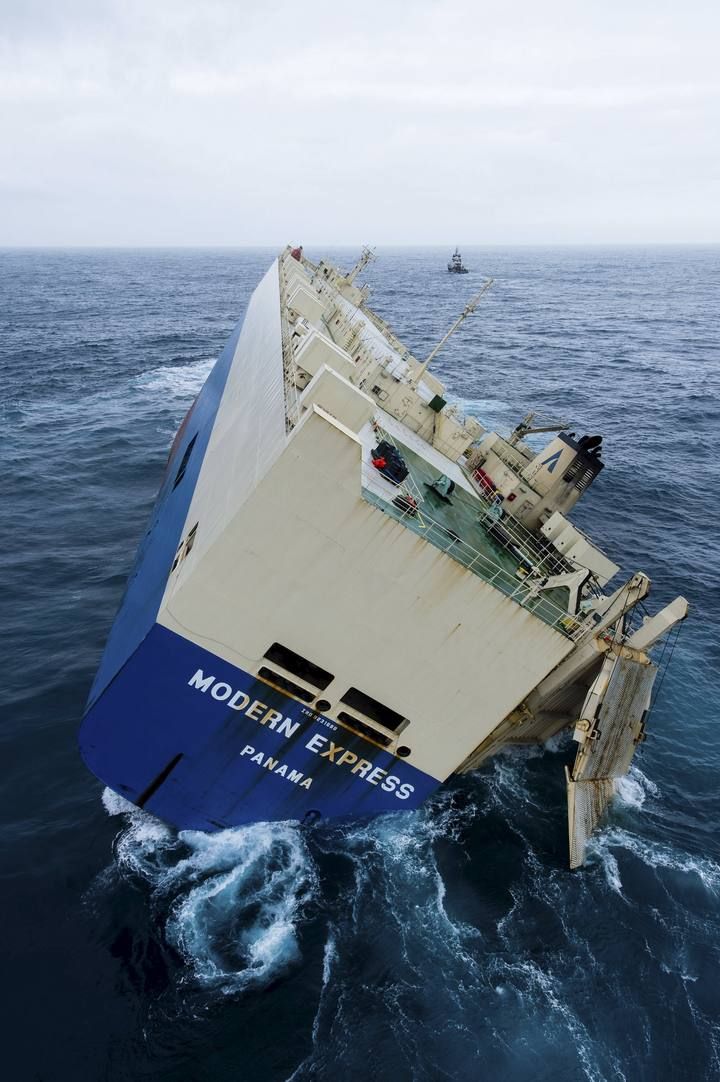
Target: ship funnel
[{"x": 565, "y": 463}]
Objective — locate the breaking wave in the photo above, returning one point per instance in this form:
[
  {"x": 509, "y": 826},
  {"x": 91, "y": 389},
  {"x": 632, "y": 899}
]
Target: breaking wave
[
  {"x": 661, "y": 858},
  {"x": 396, "y": 942},
  {"x": 634, "y": 788},
  {"x": 231, "y": 901}
]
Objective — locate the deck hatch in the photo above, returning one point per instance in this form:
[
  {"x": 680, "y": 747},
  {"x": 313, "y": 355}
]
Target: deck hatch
[
  {"x": 383, "y": 715},
  {"x": 299, "y": 666}
]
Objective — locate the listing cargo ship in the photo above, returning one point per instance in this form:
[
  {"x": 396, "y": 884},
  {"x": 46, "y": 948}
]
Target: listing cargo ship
[{"x": 349, "y": 591}]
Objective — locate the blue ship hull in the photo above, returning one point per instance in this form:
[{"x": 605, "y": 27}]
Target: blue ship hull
[
  {"x": 148, "y": 578},
  {"x": 191, "y": 756},
  {"x": 204, "y": 745}
]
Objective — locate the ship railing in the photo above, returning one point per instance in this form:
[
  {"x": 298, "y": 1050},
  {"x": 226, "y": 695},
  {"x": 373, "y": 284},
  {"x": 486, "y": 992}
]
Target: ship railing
[
  {"x": 385, "y": 329},
  {"x": 509, "y": 534},
  {"x": 506, "y": 461},
  {"x": 353, "y": 320},
  {"x": 548, "y": 560},
  {"x": 526, "y": 592},
  {"x": 290, "y": 368},
  {"x": 364, "y": 312},
  {"x": 378, "y": 322}
]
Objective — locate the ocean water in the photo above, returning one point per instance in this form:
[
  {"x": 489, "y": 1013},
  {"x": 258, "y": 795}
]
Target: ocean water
[{"x": 451, "y": 943}]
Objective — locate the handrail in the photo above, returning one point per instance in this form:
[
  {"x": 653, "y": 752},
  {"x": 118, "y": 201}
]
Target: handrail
[
  {"x": 526, "y": 592},
  {"x": 290, "y": 369},
  {"x": 547, "y": 558}
]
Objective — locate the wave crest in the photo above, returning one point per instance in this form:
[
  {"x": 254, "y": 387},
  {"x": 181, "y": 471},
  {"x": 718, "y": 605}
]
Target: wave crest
[{"x": 232, "y": 901}]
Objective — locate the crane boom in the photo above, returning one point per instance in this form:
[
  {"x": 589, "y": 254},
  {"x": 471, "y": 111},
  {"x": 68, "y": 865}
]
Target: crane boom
[{"x": 467, "y": 311}]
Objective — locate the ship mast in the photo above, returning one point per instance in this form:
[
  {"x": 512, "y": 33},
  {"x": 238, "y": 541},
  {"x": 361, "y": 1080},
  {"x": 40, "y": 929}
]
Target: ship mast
[
  {"x": 467, "y": 311},
  {"x": 366, "y": 256}
]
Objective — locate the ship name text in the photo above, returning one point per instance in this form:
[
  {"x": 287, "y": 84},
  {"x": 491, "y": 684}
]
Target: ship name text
[
  {"x": 319, "y": 745},
  {"x": 238, "y": 700}
]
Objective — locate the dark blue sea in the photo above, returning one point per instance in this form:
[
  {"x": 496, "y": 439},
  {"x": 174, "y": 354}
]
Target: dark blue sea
[{"x": 448, "y": 944}]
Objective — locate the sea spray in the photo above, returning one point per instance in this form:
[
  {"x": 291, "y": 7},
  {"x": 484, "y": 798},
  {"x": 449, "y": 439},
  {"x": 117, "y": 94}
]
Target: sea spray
[{"x": 233, "y": 900}]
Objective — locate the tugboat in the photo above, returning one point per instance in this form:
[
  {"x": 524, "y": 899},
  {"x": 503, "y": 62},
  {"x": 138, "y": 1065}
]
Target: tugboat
[{"x": 455, "y": 266}]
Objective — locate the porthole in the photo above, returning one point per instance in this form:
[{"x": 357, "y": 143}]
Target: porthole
[
  {"x": 323, "y": 705},
  {"x": 403, "y": 751}
]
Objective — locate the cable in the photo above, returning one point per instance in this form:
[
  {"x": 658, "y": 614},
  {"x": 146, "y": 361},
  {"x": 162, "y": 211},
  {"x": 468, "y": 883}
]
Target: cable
[{"x": 678, "y": 629}]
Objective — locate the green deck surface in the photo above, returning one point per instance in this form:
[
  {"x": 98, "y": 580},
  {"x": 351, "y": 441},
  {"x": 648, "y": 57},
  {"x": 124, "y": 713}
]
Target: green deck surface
[{"x": 456, "y": 529}]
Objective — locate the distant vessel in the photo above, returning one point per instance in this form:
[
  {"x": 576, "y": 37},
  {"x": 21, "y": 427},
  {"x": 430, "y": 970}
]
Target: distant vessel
[
  {"x": 349, "y": 591},
  {"x": 455, "y": 266}
]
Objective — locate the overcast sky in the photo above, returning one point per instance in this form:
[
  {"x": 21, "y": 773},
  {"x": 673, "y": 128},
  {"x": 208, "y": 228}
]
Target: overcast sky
[{"x": 213, "y": 122}]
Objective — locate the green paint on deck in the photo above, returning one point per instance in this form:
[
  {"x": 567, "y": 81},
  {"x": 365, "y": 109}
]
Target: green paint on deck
[{"x": 474, "y": 547}]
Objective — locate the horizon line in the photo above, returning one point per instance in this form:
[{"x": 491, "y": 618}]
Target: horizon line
[{"x": 359, "y": 244}]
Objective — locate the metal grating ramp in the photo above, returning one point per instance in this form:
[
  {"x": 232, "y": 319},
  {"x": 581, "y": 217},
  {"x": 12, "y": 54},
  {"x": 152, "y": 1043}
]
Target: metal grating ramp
[
  {"x": 609, "y": 731},
  {"x": 587, "y": 801}
]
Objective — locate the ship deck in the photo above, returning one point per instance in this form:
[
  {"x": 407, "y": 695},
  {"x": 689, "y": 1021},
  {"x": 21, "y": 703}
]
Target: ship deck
[{"x": 462, "y": 528}]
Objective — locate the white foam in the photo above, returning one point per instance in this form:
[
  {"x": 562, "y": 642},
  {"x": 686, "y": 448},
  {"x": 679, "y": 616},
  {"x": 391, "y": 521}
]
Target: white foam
[
  {"x": 394, "y": 856},
  {"x": 538, "y": 980},
  {"x": 559, "y": 741},
  {"x": 446, "y": 817},
  {"x": 508, "y": 778},
  {"x": 491, "y": 412},
  {"x": 329, "y": 958},
  {"x": 683, "y": 976},
  {"x": 649, "y": 786},
  {"x": 612, "y": 870},
  {"x": 180, "y": 381},
  {"x": 654, "y": 855},
  {"x": 234, "y": 899},
  {"x": 629, "y": 791},
  {"x": 634, "y": 788},
  {"x": 143, "y": 834},
  {"x": 114, "y": 804}
]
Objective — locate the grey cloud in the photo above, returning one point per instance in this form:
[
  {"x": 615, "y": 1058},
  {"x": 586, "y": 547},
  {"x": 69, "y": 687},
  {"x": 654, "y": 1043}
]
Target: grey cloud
[{"x": 234, "y": 122}]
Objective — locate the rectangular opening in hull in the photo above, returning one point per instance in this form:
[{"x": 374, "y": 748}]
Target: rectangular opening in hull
[
  {"x": 364, "y": 729},
  {"x": 299, "y": 666},
  {"x": 284, "y": 684},
  {"x": 376, "y": 711}
]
